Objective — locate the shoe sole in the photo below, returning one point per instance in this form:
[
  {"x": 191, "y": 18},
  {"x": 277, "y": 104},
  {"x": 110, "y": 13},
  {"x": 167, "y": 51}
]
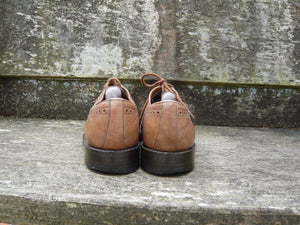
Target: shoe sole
[
  {"x": 167, "y": 163},
  {"x": 111, "y": 161}
]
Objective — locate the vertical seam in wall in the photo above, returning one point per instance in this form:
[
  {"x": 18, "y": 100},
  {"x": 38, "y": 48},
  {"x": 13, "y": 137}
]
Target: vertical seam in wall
[{"x": 165, "y": 59}]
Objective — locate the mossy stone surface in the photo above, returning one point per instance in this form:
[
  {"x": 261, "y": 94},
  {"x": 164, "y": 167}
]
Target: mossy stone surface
[
  {"x": 210, "y": 103},
  {"x": 239, "y": 41},
  {"x": 81, "y": 38},
  {"x": 219, "y": 41}
]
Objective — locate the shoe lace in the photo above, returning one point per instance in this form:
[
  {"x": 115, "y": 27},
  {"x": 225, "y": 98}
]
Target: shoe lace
[
  {"x": 165, "y": 86},
  {"x": 110, "y": 82},
  {"x": 113, "y": 81}
]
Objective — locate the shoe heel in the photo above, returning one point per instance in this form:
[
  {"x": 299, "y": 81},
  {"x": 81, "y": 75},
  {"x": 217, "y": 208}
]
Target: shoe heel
[
  {"x": 111, "y": 161},
  {"x": 167, "y": 163}
]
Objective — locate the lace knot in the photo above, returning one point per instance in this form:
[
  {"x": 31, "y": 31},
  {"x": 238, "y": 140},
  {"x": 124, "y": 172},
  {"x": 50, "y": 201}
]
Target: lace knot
[
  {"x": 113, "y": 82},
  {"x": 161, "y": 82},
  {"x": 165, "y": 86}
]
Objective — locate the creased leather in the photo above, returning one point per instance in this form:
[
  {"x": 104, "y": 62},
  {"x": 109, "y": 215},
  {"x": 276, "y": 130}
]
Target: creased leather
[
  {"x": 166, "y": 125},
  {"x": 113, "y": 124}
]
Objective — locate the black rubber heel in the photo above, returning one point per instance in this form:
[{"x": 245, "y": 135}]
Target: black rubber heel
[
  {"x": 167, "y": 163},
  {"x": 111, "y": 161}
]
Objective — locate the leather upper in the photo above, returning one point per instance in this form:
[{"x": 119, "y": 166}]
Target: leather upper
[
  {"x": 166, "y": 125},
  {"x": 113, "y": 124}
]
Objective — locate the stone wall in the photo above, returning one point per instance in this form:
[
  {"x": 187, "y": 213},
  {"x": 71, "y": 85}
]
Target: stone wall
[
  {"x": 239, "y": 41},
  {"x": 210, "y": 103}
]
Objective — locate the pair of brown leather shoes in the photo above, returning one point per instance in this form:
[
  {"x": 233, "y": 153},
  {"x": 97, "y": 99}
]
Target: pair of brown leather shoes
[{"x": 112, "y": 131}]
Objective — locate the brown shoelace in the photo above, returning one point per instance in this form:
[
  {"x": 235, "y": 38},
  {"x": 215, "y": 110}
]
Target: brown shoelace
[
  {"x": 112, "y": 82},
  {"x": 165, "y": 86}
]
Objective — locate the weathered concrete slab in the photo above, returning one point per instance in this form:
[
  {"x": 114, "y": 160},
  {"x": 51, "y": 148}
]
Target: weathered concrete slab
[
  {"x": 220, "y": 41},
  {"x": 82, "y": 38},
  {"x": 241, "y": 176},
  {"x": 210, "y": 103},
  {"x": 239, "y": 41}
]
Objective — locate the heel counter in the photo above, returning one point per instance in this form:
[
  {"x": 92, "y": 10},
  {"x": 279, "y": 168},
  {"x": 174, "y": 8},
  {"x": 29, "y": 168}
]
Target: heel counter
[
  {"x": 96, "y": 122},
  {"x": 168, "y": 127}
]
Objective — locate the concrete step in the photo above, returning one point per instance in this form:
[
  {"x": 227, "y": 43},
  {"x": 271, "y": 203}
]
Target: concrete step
[
  {"x": 241, "y": 176},
  {"x": 212, "y": 104}
]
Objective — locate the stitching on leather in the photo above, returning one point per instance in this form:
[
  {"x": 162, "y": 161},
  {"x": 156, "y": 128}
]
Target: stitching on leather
[
  {"x": 123, "y": 119},
  {"x": 153, "y": 113},
  {"x": 107, "y": 124},
  {"x": 99, "y": 111},
  {"x": 158, "y": 128},
  {"x": 129, "y": 110},
  {"x": 182, "y": 113}
]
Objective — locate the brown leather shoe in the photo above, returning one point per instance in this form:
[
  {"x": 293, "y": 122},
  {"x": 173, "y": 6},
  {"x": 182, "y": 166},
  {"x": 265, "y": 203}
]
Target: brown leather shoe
[
  {"x": 167, "y": 130},
  {"x": 112, "y": 131}
]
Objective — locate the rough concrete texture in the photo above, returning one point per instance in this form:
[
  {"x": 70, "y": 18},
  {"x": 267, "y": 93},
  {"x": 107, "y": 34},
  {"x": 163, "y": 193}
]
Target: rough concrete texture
[
  {"x": 240, "y": 40},
  {"x": 221, "y": 41},
  {"x": 82, "y": 38},
  {"x": 241, "y": 176},
  {"x": 211, "y": 104}
]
